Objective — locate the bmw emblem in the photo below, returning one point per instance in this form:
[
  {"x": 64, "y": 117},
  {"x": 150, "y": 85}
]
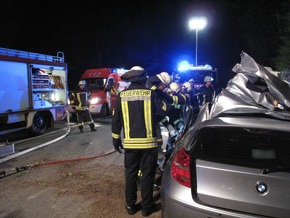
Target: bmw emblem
[{"x": 262, "y": 188}]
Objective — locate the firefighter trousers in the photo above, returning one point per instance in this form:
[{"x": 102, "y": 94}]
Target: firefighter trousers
[
  {"x": 81, "y": 114},
  {"x": 146, "y": 161}
]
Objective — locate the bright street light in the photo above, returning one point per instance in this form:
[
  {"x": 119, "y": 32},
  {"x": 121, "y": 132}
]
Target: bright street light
[{"x": 196, "y": 24}]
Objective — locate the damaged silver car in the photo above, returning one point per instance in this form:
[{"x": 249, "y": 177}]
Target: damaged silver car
[{"x": 234, "y": 161}]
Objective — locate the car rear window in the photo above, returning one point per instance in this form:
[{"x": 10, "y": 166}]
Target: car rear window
[{"x": 248, "y": 147}]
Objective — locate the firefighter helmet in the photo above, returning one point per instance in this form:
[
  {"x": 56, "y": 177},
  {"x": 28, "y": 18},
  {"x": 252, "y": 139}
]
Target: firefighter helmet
[
  {"x": 164, "y": 78},
  {"x": 208, "y": 79},
  {"x": 187, "y": 86},
  {"x": 174, "y": 87},
  {"x": 82, "y": 82},
  {"x": 137, "y": 74},
  {"x": 191, "y": 81},
  {"x": 137, "y": 68}
]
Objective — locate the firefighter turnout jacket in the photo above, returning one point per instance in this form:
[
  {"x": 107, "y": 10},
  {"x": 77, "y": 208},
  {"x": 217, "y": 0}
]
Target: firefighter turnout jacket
[
  {"x": 206, "y": 94},
  {"x": 80, "y": 98},
  {"x": 136, "y": 110}
]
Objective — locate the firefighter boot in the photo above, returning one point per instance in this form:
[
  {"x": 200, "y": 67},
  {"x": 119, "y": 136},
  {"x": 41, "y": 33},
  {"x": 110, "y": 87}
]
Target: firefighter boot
[
  {"x": 93, "y": 129},
  {"x": 131, "y": 209}
]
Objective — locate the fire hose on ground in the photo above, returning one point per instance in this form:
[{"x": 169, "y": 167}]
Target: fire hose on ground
[{"x": 3, "y": 173}]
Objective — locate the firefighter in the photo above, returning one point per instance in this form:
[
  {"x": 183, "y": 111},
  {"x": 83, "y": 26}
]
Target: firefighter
[
  {"x": 175, "y": 115},
  {"x": 175, "y": 118},
  {"x": 176, "y": 77},
  {"x": 80, "y": 97},
  {"x": 159, "y": 83},
  {"x": 192, "y": 92},
  {"x": 136, "y": 113},
  {"x": 206, "y": 92}
]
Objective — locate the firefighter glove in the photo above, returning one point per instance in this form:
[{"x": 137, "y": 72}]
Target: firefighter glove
[{"x": 118, "y": 145}]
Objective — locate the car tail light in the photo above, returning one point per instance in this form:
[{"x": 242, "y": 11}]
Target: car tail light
[{"x": 180, "y": 168}]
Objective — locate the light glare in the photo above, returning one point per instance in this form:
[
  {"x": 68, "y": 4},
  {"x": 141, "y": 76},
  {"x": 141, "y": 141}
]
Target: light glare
[{"x": 197, "y": 23}]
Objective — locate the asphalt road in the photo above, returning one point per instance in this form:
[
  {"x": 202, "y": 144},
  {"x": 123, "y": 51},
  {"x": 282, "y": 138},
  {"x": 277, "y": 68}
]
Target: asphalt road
[
  {"x": 66, "y": 189},
  {"x": 59, "y": 144}
]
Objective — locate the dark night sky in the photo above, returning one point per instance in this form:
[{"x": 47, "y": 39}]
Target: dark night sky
[{"x": 152, "y": 34}]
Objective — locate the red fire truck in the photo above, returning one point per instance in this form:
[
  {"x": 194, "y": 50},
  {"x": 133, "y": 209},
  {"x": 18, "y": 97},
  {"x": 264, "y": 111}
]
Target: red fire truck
[{"x": 33, "y": 90}]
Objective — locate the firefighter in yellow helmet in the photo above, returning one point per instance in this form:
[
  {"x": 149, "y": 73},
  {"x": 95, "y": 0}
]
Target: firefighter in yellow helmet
[
  {"x": 136, "y": 114},
  {"x": 80, "y": 97}
]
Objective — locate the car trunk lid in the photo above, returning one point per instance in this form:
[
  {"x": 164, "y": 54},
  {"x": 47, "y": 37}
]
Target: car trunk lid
[{"x": 243, "y": 189}]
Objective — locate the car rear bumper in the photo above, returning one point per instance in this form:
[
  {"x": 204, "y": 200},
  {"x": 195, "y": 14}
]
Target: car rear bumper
[
  {"x": 171, "y": 208},
  {"x": 177, "y": 201}
]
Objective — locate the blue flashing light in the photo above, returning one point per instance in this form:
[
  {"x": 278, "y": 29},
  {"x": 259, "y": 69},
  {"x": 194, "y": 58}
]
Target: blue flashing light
[
  {"x": 208, "y": 66},
  {"x": 183, "y": 66},
  {"x": 120, "y": 70}
]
